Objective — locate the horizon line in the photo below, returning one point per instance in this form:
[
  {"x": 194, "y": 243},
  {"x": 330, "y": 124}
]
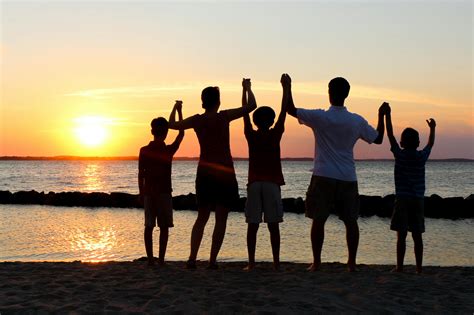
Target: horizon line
[{"x": 178, "y": 158}]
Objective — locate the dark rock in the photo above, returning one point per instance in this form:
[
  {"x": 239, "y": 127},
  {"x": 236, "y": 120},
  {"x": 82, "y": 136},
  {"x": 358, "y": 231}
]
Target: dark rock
[
  {"x": 387, "y": 206},
  {"x": 185, "y": 202},
  {"x": 123, "y": 200},
  {"x": 28, "y": 197},
  {"x": 370, "y": 205},
  {"x": 299, "y": 205},
  {"x": 6, "y": 197},
  {"x": 434, "y": 206}
]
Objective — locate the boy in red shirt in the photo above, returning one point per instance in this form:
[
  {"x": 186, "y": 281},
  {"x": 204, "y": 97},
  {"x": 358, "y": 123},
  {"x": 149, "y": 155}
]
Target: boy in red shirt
[
  {"x": 265, "y": 175},
  {"x": 154, "y": 183}
]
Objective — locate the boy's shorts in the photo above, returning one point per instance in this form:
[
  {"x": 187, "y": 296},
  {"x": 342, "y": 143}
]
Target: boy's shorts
[
  {"x": 264, "y": 198},
  {"x": 159, "y": 209},
  {"x": 326, "y": 195},
  {"x": 408, "y": 215}
]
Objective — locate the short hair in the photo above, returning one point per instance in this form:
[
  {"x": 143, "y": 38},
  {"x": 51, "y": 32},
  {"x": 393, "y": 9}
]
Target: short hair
[
  {"x": 159, "y": 127},
  {"x": 410, "y": 139},
  {"x": 263, "y": 117},
  {"x": 339, "y": 88},
  {"x": 210, "y": 97}
]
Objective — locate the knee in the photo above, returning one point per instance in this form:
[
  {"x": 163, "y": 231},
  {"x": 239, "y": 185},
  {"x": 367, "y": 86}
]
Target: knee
[
  {"x": 149, "y": 229},
  {"x": 273, "y": 227}
]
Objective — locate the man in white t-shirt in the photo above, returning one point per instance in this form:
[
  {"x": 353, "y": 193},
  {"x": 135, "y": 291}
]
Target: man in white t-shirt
[{"x": 334, "y": 182}]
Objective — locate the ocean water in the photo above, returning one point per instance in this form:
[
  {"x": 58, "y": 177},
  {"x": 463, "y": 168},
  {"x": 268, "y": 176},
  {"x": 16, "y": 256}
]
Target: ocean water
[
  {"x": 45, "y": 233},
  {"x": 447, "y": 179}
]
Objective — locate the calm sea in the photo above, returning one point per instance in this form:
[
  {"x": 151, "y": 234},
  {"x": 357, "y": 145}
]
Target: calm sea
[{"x": 32, "y": 233}]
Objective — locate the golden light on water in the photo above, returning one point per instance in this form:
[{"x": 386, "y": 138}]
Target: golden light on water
[
  {"x": 92, "y": 180},
  {"x": 94, "y": 246}
]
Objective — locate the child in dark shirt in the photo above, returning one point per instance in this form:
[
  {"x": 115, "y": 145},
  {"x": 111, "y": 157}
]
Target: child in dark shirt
[
  {"x": 409, "y": 189},
  {"x": 265, "y": 175},
  {"x": 154, "y": 183}
]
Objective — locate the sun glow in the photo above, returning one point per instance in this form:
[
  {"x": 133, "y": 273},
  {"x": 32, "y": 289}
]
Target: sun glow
[{"x": 91, "y": 131}]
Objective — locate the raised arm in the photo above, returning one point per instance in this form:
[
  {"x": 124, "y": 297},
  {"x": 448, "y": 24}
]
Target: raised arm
[
  {"x": 391, "y": 137},
  {"x": 432, "y": 124},
  {"x": 247, "y": 124},
  {"x": 237, "y": 113},
  {"x": 179, "y": 108},
  {"x": 181, "y": 124},
  {"x": 280, "y": 124},
  {"x": 288, "y": 99},
  {"x": 383, "y": 110}
]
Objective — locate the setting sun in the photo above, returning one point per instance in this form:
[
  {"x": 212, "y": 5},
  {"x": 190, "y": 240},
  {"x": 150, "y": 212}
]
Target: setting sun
[{"x": 91, "y": 131}]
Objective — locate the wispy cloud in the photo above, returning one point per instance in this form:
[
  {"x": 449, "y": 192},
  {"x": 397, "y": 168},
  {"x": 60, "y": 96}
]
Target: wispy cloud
[{"x": 317, "y": 88}]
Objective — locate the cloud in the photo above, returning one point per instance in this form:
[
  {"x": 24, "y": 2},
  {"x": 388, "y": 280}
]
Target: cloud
[{"x": 317, "y": 88}]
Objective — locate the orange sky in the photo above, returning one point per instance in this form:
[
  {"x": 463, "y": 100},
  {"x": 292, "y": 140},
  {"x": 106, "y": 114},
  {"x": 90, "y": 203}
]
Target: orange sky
[{"x": 125, "y": 65}]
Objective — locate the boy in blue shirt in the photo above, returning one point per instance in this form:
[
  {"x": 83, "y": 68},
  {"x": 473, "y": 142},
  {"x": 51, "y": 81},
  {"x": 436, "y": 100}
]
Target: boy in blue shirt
[{"x": 409, "y": 189}]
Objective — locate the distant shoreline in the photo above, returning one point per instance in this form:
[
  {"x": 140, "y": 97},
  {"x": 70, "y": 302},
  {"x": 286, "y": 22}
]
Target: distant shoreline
[{"x": 134, "y": 158}]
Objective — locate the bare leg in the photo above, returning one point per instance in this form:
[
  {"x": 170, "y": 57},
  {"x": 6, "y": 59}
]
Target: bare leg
[
  {"x": 218, "y": 234},
  {"x": 401, "y": 247},
  {"x": 418, "y": 240},
  {"x": 252, "y": 230},
  {"x": 317, "y": 240},
  {"x": 274, "y": 229},
  {"x": 198, "y": 231},
  {"x": 352, "y": 238},
  {"x": 164, "y": 232},
  {"x": 148, "y": 236}
]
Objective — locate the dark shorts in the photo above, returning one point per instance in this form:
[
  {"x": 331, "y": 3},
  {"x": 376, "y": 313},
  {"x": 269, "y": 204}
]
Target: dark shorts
[
  {"x": 408, "y": 215},
  {"x": 328, "y": 195},
  {"x": 216, "y": 189},
  {"x": 159, "y": 209}
]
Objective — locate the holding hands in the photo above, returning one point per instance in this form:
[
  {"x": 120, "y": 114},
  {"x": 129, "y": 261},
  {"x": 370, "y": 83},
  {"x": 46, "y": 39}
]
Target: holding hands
[
  {"x": 285, "y": 81},
  {"x": 246, "y": 84},
  {"x": 384, "y": 109},
  {"x": 178, "y": 105}
]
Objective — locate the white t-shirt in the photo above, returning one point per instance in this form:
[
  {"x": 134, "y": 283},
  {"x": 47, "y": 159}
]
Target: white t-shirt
[{"x": 336, "y": 131}]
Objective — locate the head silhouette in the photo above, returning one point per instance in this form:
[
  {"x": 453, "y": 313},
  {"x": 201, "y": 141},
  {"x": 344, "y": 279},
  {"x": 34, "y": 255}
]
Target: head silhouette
[
  {"x": 410, "y": 139},
  {"x": 338, "y": 91},
  {"x": 263, "y": 117},
  {"x": 159, "y": 128},
  {"x": 210, "y": 97}
]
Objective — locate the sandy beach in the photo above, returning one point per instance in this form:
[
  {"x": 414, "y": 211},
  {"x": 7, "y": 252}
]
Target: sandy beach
[{"x": 134, "y": 287}]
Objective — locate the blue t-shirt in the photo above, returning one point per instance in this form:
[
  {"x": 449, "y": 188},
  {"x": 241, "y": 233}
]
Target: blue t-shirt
[{"x": 410, "y": 171}]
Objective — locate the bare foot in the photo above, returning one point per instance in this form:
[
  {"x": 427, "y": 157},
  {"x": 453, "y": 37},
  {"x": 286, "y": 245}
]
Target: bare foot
[
  {"x": 352, "y": 268},
  {"x": 276, "y": 266},
  {"x": 419, "y": 270},
  {"x": 249, "y": 267},
  {"x": 212, "y": 266},
  {"x": 397, "y": 269},
  {"x": 151, "y": 262},
  {"x": 313, "y": 267}
]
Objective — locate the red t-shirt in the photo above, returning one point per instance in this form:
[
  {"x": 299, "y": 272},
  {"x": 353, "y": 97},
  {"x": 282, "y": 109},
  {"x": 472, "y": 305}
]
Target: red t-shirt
[
  {"x": 264, "y": 155},
  {"x": 154, "y": 162},
  {"x": 212, "y": 131}
]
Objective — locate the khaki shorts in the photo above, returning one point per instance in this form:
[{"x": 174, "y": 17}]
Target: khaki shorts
[
  {"x": 264, "y": 198},
  {"x": 408, "y": 215},
  {"x": 328, "y": 195},
  {"x": 159, "y": 209}
]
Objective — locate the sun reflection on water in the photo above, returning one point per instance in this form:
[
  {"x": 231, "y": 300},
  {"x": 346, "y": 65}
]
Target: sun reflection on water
[
  {"x": 94, "y": 246},
  {"x": 92, "y": 180}
]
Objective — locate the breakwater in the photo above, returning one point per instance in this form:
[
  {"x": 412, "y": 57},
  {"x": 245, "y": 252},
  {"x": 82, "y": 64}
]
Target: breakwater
[{"x": 435, "y": 206}]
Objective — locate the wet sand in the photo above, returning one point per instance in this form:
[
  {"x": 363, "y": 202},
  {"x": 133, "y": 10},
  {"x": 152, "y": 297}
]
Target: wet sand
[{"x": 135, "y": 287}]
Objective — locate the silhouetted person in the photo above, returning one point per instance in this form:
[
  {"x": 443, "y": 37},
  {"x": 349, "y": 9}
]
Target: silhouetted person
[
  {"x": 154, "y": 183},
  {"x": 265, "y": 175},
  {"x": 408, "y": 213},
  {"x": 334, "y": 182},
  {"x": 216, "y": 185}
]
